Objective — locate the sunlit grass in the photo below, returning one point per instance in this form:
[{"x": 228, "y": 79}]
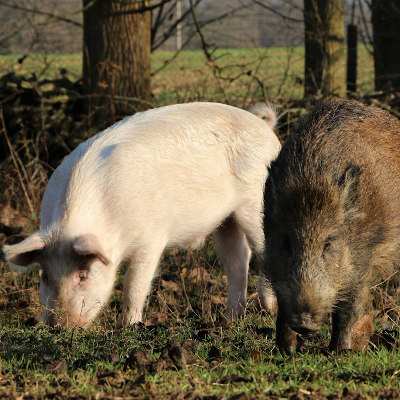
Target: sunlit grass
[{"x": 239, "y": 75}]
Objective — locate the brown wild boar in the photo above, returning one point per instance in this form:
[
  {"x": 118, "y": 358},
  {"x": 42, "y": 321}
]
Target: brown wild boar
[{"x": 332, "y": 221}]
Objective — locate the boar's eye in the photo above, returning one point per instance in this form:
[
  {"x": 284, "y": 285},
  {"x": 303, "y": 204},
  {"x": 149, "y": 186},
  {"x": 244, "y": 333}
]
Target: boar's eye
[{"x": 328, "y": 243}]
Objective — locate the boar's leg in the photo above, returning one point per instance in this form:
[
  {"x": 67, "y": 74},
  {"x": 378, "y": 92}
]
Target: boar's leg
[
  {"x": 234, "y": 253},
  {"x": 352, "y": 323},
  {"x": 286, "y": 339},
  {"x": 137, "y": 283}
]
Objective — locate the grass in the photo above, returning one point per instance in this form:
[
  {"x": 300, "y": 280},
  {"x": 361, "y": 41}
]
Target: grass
[
  {"x": 186, "y": 349},
  {"x": 142, "y": 363},
  {"x": 189, "y": 77}
]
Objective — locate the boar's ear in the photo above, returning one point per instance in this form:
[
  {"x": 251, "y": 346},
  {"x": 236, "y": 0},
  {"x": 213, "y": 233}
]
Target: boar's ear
[
  {"x": 26, "y": 252},
  {"x": 88, "y": 246},
  {"x": 349, "y": 184}
]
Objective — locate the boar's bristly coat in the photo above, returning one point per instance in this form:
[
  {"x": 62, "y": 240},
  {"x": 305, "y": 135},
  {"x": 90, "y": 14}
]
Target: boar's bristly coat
[
  {"x": 332, "y": 217},
  {"x": 162, "y": 178}
]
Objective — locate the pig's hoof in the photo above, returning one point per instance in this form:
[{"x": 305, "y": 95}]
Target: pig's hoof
[
  {"x": 340, "y": 348},
  {"x": 300, "y": 344},
  {"x": 234, "y": 314},
  {"x": 269, "y": 303},
  {"x": 287, "y": 347},
  {"x": 127, "y": 321},
  {"x": 344, "y": 351},
  {"x": 287, "y": 350}
]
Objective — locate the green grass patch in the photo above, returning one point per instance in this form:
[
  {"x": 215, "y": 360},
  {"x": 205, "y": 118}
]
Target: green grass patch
[
  {"x": 240, "y": 75},
  {"x": 171, "y": 360}
]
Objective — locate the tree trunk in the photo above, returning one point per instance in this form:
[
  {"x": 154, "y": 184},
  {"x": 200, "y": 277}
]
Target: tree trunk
[
  {"x": 386, "y": 27},
  {"x": 116, "y": 56},
  {"x": 324, "y": 47},
  {"x": 352, "y": 41}
]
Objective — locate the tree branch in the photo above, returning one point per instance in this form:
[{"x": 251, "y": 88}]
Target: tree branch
[
  {"x": 275, "y": 11},
  {"x": 157, "y": 21},
  {"x": 142, "y": 9},
  {"x": 365, "y": 34},
  {"x": 172, "y": 28},
  {"x": 40, "y": 12},
  {"x": 200, "y": 25},
  {"x": 204, "y": 44}
]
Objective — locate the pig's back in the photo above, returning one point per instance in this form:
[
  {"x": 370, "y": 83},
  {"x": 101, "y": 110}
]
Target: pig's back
[
  {"x": 195, "y": 130},
  {"x": 191, "y": 146}
]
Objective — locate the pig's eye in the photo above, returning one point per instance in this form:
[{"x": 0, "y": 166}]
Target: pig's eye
[{"x": 83, "y": 275}]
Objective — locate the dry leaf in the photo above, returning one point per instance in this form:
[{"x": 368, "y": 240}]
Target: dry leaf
[
  {"x": 199, "y": 274},
  {"x": 170, "y": 285}
]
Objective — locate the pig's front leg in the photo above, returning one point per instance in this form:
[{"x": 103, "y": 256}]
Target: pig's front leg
[
  {"x": 352, "y": 324},
  {"x": 286, "y": 338},
  {"x": 137, "y": 284}
]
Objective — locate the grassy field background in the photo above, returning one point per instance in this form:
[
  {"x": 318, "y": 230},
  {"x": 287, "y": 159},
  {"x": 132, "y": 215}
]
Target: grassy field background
[
  {"x": 186, "y": 349},
  {"x": 189, "y": 77}
]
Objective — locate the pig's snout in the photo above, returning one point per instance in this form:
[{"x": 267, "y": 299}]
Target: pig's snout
[
  {"x": 52, "y": 319},
  {"x": 74, "y": 322},
  {"x": 304, "y": 324}
]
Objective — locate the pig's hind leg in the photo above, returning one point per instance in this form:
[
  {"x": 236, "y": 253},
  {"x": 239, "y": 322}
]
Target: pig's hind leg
[
  {"x": 137, "y": 282},
  {"x": 234, "y": 253},
  {"x": 250, "y": 220},
  {"x": 266, "y": 295}
]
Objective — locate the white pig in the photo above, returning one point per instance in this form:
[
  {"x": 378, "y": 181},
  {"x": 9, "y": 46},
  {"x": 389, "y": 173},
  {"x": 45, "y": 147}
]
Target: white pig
[{"x": 162, "y": 178}]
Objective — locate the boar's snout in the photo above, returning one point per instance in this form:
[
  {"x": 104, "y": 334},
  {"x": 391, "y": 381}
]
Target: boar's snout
[{"x": 304, "y": 323}]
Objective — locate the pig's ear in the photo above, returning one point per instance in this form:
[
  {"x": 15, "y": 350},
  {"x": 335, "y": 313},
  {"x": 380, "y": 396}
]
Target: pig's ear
[
  {"x": 349, "y": 184},
  {"x": 89, "y": 246},
  {"x": 25, "y": 253}
]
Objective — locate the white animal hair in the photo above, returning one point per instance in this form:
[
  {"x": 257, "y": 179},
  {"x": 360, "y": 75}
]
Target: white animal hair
[
  {"x": 161, "y": 178},
  {"x": 265, "y": 111}
]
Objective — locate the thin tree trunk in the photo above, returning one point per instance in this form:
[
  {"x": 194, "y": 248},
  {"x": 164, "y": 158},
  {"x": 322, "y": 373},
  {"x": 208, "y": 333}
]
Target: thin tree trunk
[
  {"x": 352, "y": 39},
  {"x": 324, "y": 47},
  {"x": 179, "y": 29},
  {"x": 386, "y": 27},
  {"x": 116, "y": 56}
]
